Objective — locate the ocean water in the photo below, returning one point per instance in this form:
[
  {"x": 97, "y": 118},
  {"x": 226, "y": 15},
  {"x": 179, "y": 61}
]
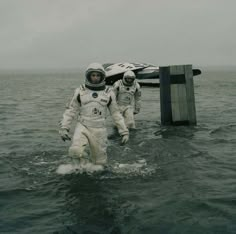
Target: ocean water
[{"x": 175, "y": 179}]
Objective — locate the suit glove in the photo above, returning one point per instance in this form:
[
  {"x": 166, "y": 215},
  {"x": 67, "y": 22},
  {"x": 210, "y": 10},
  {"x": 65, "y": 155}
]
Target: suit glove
[
  {"x": 124, "y": 139},
  {"x": 64, "y": 133}
]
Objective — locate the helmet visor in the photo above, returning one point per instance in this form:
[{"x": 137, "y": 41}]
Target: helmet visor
[
  {"x": 95, "y": 78},
  {"x": 129, "y": 80}
]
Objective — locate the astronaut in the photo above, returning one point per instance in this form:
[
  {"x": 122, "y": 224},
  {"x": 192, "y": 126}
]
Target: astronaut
[
  {"x": 128, "y": 96},
  {"x": 90, "y": 103}
]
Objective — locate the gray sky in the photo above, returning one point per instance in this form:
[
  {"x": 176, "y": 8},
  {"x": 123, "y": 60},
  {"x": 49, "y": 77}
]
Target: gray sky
[{"x": 73, "y": 33}]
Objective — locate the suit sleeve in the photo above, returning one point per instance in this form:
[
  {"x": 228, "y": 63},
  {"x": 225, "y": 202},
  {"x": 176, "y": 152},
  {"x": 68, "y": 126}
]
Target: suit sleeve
[
  {"x": 116, "y": 115},
  {"x": 115, "y": 88},
  {"x": 137, "y": 98},
  {"x": 71, "y": 111}
]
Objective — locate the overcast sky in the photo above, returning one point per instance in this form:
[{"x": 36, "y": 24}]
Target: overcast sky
[{"x": 46, "y": 34}]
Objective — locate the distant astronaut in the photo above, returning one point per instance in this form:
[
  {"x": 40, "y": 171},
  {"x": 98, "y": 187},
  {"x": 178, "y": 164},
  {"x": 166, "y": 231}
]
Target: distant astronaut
[{"x": 128, "y": 96}]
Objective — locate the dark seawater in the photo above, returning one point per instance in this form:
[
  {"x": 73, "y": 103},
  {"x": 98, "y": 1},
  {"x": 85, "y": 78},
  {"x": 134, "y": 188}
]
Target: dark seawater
[{"x": 165, "y": 180}]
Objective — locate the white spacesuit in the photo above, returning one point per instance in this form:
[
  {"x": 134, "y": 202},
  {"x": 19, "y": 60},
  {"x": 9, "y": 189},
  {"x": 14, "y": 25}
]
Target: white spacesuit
[
  {"x": 128, "y": 96},
  {"x": 91, "y": 101}
]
